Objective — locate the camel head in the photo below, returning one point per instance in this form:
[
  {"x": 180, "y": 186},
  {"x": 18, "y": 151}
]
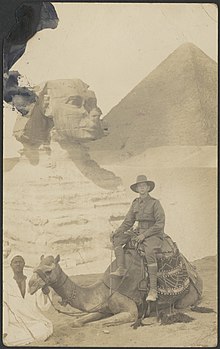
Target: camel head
[{"x": 45, "y": 274}]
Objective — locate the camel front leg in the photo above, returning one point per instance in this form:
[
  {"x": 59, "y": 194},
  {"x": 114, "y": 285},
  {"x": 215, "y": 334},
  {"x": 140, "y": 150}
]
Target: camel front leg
[
  {"x": 117, "y": 319},
  {"x": 88, "y": 318},
  {"x": 123, "y": 308}
]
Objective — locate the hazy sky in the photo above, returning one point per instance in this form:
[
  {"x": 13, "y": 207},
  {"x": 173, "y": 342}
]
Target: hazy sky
[{"x": 112, "y": 47}]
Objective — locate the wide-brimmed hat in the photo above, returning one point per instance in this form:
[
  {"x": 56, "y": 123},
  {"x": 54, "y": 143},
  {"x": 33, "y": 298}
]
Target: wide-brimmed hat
[{"x": 142, "y": 179}]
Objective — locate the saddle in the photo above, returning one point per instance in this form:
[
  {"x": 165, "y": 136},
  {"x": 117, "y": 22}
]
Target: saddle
[
  {"x": 172, "y": 277},
  {"x": 175, "y": 273}
]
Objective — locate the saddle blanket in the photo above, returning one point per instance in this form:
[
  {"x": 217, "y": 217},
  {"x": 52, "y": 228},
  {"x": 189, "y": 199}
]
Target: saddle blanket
[{"x": 174, "y": 275}]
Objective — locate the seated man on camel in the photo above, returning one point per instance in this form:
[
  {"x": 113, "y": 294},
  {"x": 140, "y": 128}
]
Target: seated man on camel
[{"x": 150, "y": 216}]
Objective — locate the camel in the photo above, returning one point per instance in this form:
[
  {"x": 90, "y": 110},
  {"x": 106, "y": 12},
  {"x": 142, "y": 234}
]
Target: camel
[{"x": 97, "y": 300}]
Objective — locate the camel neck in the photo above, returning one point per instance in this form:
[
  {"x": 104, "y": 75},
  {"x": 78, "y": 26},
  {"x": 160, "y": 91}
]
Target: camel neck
[
  {"x": 79, "y": 297},
  {"x": 68, "y": 291}
]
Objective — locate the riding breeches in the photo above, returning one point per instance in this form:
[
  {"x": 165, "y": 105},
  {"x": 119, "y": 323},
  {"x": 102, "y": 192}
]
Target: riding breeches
[{"x": 149, "y": 245}]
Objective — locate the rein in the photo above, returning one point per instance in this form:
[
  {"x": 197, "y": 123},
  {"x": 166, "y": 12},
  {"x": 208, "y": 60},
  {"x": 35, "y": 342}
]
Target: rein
[
  {"x": 65, "y": 312},
  {"x": 113, "y": 291}
]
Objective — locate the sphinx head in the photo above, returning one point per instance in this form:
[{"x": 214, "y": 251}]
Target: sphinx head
[{"x": 73, "y": 109}]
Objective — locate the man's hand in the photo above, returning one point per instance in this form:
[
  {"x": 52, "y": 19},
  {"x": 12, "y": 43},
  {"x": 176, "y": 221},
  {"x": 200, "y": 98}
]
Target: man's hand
[{"x": 140, "y": 238}]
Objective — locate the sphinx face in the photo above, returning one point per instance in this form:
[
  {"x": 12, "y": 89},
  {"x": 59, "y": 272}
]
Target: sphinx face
[{"x": 73, "y": 108}]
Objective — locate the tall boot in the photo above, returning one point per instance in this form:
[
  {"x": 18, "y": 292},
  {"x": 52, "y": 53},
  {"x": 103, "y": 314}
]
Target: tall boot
[
  {"x": 120, "y": 260},
  {"x": 152, "y": 271}
]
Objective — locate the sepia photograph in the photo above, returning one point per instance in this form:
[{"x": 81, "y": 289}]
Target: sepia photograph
[{"x": 109, "y": 233}]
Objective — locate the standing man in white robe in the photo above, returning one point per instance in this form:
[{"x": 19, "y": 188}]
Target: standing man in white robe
[{"x": 23, "y": 323}]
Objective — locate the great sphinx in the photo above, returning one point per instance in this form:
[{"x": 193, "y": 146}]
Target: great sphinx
[{"x": 65, "y": 111}]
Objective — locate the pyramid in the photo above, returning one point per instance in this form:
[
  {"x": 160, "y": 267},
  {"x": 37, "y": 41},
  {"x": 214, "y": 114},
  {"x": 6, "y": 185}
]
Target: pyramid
[{"x": 176, "y": 104}]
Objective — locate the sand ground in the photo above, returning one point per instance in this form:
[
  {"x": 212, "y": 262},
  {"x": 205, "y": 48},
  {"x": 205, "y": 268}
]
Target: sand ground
[{"x": 52, "y": 208}]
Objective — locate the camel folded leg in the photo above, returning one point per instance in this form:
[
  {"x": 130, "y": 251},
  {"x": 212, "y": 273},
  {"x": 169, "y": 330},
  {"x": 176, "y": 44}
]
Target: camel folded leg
[
  {"x": 88, "y": 318},
  {"x": 124, "y": 310},
  {"x": 117, "y": 319}
]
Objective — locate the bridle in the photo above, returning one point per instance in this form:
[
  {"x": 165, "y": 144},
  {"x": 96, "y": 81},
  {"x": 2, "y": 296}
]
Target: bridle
[
  {"x": 43, "y": 276},
  {"x": 54, "y": 285},
  {"x": 46, "y": 279}
]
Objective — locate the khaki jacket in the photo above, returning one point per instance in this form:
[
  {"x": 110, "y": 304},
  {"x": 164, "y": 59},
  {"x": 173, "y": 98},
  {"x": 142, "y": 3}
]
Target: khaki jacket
[{"x": 149, "y": 214}]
